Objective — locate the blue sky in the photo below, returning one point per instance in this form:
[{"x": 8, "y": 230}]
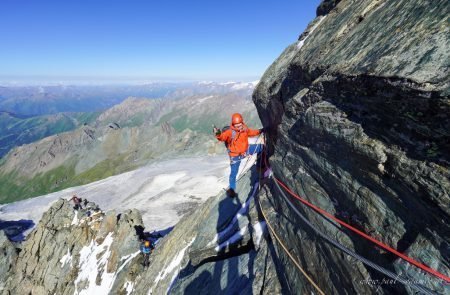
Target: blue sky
[{"x": 212, "y": 40}]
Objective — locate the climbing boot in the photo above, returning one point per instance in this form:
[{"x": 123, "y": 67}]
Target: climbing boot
[{"x": 231, "y": 193}]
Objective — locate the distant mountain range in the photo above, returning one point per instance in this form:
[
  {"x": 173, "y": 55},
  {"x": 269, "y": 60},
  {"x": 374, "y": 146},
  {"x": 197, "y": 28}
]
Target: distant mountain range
[
  {"x": 42, "y": 100},
  {"x": 119, "y": 139},
  {"x": 16, "y": 130},
  {"x": 65, "y": 108}
]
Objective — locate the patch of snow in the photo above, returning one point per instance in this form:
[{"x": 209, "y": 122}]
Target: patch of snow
[
  {"x": 301, "y": 42},
  {"x": 260, "y": 228},
  {"x": 172, "y": 281},
  {"x": 127, "y": 259},
  {"x": 205, "y": 98},
  {"x": 227, "y": 83},
  {"x": 239, "y": 86},
  {"x": 156, "y": 189},
  {"x": 233, "y": 239},
  {"x": 268, "y": 173},
  {"x": 175, "y": 263},
  {"x": 75, "y": 220},
  {"x": 302, "y": 171},
  {"x": 128, "y": 286},
  {"x": 66, "y": 259},
  {"x": 241, "y": 212},
  {"x": 90, "y": 266}
]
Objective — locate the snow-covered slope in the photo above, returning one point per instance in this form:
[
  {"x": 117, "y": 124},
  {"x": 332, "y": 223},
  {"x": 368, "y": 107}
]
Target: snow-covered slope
[{"x": 163, "y": 191}]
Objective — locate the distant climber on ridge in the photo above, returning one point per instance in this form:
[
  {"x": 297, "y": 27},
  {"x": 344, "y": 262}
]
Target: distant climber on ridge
[
  {"x": 77, "y": 201},
  {"x": 146, "y": 250},
  {"x": 236, "y": 141}
]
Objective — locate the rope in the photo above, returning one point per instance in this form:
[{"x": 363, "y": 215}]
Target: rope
[
  {"x": 247, "y": 161},
  {"x": 288, "y": 253},
  {"x": 367, "y": 237},
  {"x": 348, "y": 226},
  {"x": 367, "y": 262}
]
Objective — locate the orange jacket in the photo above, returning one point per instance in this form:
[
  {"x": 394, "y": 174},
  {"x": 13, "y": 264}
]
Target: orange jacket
[{"x": 239, "y": 144}]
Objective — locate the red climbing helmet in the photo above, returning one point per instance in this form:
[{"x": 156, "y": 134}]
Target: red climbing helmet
[{"x": 236, "y": 118}]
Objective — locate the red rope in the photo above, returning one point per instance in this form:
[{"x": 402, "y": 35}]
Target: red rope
[{"x": 378, "y": 243}]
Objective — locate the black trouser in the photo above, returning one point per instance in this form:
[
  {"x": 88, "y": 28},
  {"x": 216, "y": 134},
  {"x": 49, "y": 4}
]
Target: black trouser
[{"x": 146, "y": 259}]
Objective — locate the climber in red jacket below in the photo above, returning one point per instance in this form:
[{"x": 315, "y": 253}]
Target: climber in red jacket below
[{"x": 236, "y": 141}]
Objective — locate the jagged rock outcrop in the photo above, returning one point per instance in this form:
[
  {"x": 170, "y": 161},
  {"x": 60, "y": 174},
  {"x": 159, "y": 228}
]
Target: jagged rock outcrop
[
  {"x": 72, "y": 253},
  {"x": 221, "y": 248},
  {"x": 8, "y": 256},
  {"x": 358, "y": 111}
]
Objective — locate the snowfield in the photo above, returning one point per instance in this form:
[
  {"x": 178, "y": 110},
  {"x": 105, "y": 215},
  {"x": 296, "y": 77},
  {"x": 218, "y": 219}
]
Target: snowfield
[{"x": 163, "y": 191}]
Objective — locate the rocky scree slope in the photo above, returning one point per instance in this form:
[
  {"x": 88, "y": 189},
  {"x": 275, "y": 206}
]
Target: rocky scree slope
[
  {"x": 223, "y": 247},
  {"x": 358, "y": 110}
]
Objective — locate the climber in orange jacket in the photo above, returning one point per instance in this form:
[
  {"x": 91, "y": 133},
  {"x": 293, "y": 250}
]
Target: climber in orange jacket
[{"x": 236, "y": 141}]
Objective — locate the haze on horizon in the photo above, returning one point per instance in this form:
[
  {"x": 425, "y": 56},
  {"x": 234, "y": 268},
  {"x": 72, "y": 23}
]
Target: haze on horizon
[{"x": 142, "y": 41}]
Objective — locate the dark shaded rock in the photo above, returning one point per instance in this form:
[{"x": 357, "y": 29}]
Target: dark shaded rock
[
  {"x": 15, "y": 229},
  {"x": 326, "y": 6}
]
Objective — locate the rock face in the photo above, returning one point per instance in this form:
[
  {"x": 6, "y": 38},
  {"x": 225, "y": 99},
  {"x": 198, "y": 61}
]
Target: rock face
[{"x": 359, "y": 111}]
